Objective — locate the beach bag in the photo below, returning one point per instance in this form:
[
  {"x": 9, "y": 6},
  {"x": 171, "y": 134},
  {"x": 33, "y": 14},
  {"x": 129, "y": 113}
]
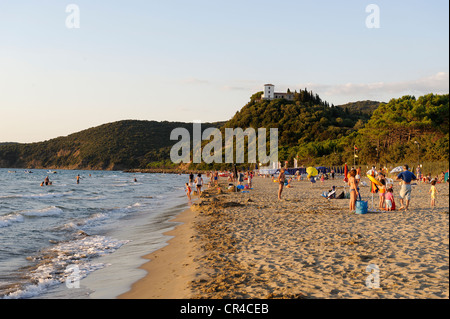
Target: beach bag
[{"x": 361, "y": 207}]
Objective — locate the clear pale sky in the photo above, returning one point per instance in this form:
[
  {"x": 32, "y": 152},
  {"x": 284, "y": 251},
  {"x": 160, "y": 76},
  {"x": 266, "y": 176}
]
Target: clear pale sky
[{"x": 180, "y": 60}]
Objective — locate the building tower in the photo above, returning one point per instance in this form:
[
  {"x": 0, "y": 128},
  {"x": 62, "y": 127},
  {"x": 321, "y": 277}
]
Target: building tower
[{"x": 269, "y": 91}]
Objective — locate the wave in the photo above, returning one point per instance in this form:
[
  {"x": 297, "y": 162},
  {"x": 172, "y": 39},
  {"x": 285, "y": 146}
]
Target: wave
[
  {"x": 66, "y": 262},
  {"x": 36, "y": 196},
  {"x": 45, "y": 196},
  {"x": 92, "y": 198},
  {"x": 10, "y": 219},
  {"x": 45, "y": 212},
  {"x": 91, "y": 221}
]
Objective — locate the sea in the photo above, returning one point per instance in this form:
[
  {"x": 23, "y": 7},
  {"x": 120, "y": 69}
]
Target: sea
[{"x": 86, "y": 240}]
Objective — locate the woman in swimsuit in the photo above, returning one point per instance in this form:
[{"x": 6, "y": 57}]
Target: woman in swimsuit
[
  {"x": 281, "y": 180},
  {"x": 199, "y": 184},
  {"x": 352, "y": 182}
]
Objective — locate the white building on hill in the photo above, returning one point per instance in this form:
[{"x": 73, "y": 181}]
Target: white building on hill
[{"x": 270, "y": 94}]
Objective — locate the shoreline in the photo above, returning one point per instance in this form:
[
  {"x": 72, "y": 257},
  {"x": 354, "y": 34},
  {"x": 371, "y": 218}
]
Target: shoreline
[{"x": 170, "y": 268}]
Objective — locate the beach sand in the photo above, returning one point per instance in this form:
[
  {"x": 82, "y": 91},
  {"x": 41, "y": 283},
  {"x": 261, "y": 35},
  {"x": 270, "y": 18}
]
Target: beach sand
[{"x": 250, "y": 245}]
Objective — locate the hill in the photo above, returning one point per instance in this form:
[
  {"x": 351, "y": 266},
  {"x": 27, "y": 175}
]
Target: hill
[
  {"x": 310, "y": 130},
  {"x": 315, "y": 133},
  {"x": 305, "y": 119},
  {"x": 365, "y": 107},
  {"x": 113, "y": 146}
]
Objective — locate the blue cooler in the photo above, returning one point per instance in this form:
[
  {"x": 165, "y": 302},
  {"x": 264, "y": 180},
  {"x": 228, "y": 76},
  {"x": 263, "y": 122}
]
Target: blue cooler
[{"x": 361, "y": 207}]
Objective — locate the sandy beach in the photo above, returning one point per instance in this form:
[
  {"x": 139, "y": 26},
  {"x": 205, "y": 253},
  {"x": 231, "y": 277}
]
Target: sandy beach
[{"x": 251, "y": 245}]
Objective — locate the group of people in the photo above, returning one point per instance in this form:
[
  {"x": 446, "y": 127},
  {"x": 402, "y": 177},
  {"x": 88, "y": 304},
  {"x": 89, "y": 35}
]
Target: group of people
[
  {"x": 384, "y": 187},
  {"x": 196, "y": 182},
  {"x": 47, "y": 181},
  {"x": 429, "y": 178},
  {"x": 386, "y": 190}
]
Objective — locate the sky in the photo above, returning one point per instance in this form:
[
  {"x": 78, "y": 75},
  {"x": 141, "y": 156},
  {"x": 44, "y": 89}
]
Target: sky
[{"x": 65, "y": 70}]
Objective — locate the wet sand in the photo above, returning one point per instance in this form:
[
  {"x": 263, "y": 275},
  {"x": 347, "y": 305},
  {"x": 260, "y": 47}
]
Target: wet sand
[{"x": 250, "y": 245}]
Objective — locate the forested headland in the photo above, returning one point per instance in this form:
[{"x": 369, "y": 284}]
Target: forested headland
[{"x": 406, "y": 129}]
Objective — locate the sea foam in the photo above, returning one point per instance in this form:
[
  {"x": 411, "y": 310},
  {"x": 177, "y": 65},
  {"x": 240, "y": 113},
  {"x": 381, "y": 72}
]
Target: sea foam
[
  {"x": 53, "y": 265},
  {"x": 10, "y": 219}
]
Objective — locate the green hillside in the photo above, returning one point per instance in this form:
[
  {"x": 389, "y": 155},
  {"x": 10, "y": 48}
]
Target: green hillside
[
  {"x": 113, "y": 146},
  {"x": 365, "y": 107},
  {"x": 407, "y": 129},
  {"x": 313, "y": 132},
  {"x": 307, "y": 118},
  {"x": 310, "y": 130}
]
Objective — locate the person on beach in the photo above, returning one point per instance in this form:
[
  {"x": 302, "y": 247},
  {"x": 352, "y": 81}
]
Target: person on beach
[
  {"x": 199, "y": 184},
  {"x": 441, "y": 177},
  {"x": 353, "y": 189},
  {"x": 382, "y": 192},
  {"x": 191, "y": 179},
  {"x": 418, "y": 172},
  {"x": 46, "y": 181},
  {"x": 216, "y": 178},
  {"x": 281, "y": 180},
  {"x": 249, "y": 180},
  {"x": 433, "y": 191},
  {"x": 406, "y": 177},
  {"x": 288, "y": 183},
  {"x": 42, "y": 184},
  {"x": 241, "y": 177},
  {"x": 358, "y": 180},
  {"x": 78, "y": 179},
  {"x": 389, "y": 199},
  {"x": 188, "y": 191}
]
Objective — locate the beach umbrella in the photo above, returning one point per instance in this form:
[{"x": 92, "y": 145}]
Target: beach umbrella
[
  {"x": 312, "y": 171},
  {"x": 398, "y": 169}
]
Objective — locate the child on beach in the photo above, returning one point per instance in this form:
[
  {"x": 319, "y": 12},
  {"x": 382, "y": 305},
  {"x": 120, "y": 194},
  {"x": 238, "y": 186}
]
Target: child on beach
[
  {"x": 389, "y": 199},
  {"x": 433, "y": 191},
  {"x": 188, "y": 191}
]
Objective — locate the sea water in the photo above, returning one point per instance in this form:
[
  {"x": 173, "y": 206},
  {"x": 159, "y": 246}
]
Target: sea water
[{"x": 85, "y": 240}]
